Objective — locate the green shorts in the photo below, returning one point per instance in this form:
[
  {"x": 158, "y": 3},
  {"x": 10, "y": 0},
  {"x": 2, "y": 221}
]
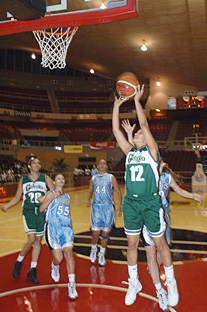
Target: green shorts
[
  {"x": 144, "y": 211},
  {"x": 33, "y": 221}
]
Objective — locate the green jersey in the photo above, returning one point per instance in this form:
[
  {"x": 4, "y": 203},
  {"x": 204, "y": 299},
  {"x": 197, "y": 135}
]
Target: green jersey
[
  {"x": 32, "y": 190},
  {"x": 141, "y": 173}
]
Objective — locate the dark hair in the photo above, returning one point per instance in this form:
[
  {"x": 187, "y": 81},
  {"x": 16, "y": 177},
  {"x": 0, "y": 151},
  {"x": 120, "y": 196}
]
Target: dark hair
[{"x": 31, "y": 159}]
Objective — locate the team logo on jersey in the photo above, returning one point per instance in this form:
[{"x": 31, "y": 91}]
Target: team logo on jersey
[
  {"x": 34, "y": 187},
  {"x": 135, "y": 158}
]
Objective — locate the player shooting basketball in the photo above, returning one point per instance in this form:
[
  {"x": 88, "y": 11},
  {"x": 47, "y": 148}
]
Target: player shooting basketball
[{"x": 141, "y": 204}]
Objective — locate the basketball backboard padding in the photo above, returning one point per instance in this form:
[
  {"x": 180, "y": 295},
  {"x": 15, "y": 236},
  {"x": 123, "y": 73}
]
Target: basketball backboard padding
[
  {"x": 79, "y": 18},
  {"x": 25, "y": 10}
]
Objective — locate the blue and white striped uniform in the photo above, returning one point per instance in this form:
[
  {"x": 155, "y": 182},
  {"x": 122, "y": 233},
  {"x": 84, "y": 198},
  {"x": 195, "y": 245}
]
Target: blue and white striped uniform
[
  {"x": 58, "y": 227},
  {"x": 102, "y": 212},
  {"x": 164, "y": 186}
]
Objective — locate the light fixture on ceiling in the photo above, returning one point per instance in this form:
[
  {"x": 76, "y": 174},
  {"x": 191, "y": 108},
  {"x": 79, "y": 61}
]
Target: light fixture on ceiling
[
  {"x": 33, "y": 56},
  {"x": 158, "y": 83},
  {"x": 92, "y": 71},
  {"x": 102, "y": 5},
  {"x": 144, "y": 47}
]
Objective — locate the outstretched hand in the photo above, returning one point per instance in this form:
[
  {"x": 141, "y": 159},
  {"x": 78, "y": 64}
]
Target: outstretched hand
[
  {"x": 127, "y": 127},
  {"x": 198, "y": 198},
  {"x": 119, "y": 212},
  {"x": 56, "y": 194},
  {"x": 119, "y": 102},
  {"x": 3, "y": 208},
  {"x": 139, "y": 92}
]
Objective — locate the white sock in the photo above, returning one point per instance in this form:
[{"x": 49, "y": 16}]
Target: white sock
[
  {"x": 71, "y": 277},
  {"x": 55, "y": 266},
  {"x": 169, "y": 271},
  {"x": 20, "y": 258},
  {"x": 94, "y": 246},
  {"x": 102, "y": 249},
  {"x": 33, "y": 264},
  {"x": 158, "y": 286},
  {"x": 133, "y": 271}
]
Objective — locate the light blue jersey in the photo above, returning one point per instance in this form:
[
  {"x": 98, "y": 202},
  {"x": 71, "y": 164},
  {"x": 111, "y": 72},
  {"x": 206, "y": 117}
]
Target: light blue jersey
[
  {"x": 102, "y": 213},
  {"x": 164, "y": 186},
  {"x": 103, "y": 191},
  {"x": 58, "y": 228},
  {"x": 58, "y": 210}
]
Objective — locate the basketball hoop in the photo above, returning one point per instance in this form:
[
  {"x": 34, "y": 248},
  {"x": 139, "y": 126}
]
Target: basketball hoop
[{"x": 54, "y": 46}]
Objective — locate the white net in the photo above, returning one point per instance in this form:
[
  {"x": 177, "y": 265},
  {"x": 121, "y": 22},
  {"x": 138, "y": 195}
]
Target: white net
[{"x": 54, "y": 46}]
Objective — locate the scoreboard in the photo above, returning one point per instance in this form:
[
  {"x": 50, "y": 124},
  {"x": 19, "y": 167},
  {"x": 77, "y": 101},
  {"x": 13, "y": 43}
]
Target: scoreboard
[{"x": 189, "y": 102}]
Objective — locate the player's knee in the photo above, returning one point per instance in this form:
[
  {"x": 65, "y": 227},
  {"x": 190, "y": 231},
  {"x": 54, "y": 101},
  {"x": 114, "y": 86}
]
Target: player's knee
[{"x": 58, "y": 259}]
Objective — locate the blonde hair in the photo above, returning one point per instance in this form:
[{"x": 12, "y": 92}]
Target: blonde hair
[{"x": 176, "y": 176}]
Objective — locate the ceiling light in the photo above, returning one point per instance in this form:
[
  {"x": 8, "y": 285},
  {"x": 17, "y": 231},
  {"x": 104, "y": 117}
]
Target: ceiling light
[
  {"x": 102, "y": 5},
  {"x": 144, "y": 47},
  {"x": 158, "y": 83},
  {"x": 92, "y": 71},
  {"x": 33, "y": 56}
]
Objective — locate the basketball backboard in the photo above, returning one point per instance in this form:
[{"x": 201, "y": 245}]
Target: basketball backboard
[{"x": 64, "y": 13}]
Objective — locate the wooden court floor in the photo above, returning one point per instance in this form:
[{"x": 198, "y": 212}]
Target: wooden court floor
[{"x": 101, "y": 288}]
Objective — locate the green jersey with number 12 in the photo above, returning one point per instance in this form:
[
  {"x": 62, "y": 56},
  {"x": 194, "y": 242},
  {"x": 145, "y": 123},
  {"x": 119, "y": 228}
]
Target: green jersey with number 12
[
  {"x": 32, "y": 190},
  {"x": 141, "y": 173}
]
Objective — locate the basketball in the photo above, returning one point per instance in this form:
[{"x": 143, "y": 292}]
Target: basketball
[{"x": 126, "y": 85}]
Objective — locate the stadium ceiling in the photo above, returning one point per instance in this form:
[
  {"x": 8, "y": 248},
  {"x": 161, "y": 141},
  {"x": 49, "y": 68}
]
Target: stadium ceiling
[{"x": 173, "y": 31}]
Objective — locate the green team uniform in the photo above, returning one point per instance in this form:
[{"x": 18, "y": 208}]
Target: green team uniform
[
  {"x": 141, "y": 204},
  {"x": 33, "y": 219}
]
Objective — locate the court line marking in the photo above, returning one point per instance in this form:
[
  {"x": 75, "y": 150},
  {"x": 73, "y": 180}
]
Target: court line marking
[
  {"x": 141, "y": 294},
  {"x": 9, "y": 220},
  {"x": 125, "y": 239},
  {"x": 142, "y": 248}
]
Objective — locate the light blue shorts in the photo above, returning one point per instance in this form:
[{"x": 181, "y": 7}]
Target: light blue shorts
[
  {"x": 102, "y": 217},
  {"x": 58, "y": 236}
]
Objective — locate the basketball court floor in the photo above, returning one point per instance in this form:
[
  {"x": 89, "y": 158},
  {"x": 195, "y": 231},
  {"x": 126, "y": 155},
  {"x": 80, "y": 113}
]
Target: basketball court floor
[{"x": 100, "y": 289}]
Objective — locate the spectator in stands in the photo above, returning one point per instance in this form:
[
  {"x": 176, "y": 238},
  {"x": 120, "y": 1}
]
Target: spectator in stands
[
  {"x": 25, "y": 169},
  {"x": 142, "y": 205},
  {"x": 18, "y": 176},
  {"x": 3, "y": 177},
  {"x": 81, "y": 172},
  {"x": 87, "y": 171},
  {"x": 76, "y": 172},
  {"x": 102, "y": 212},
  {"x": 94, "y": 170},
  {"x": 31, "y": 186},
  {"x": 19, "y": 166},
  {"x": 10, "y": 175}
]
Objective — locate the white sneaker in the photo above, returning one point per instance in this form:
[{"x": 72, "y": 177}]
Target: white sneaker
[
  {"x": 55, "y": 272},
  {"x": 173, "y": 296},
  {"x": 72, "y": 293},
  {"x": 134, "y": 288},
  {"x": 101, "y": 259},
  {"x": 162, "y": 297},
  {"x": 93, "y": 255}
]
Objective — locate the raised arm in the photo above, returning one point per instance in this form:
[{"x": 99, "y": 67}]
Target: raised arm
[
  {"x": 151, "y": 143},
  {"x": 119, "y": 194},
  {"x": 185, "y": 193},
  {"x": 49, "y": 182},
  {"x": 15, "y": 199},
  {"x": 123, "y": 143},
  {"x": 128, "y": 129}
]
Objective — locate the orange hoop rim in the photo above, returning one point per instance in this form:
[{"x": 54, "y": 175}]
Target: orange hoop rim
[{"x": 58, "y": 33}]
